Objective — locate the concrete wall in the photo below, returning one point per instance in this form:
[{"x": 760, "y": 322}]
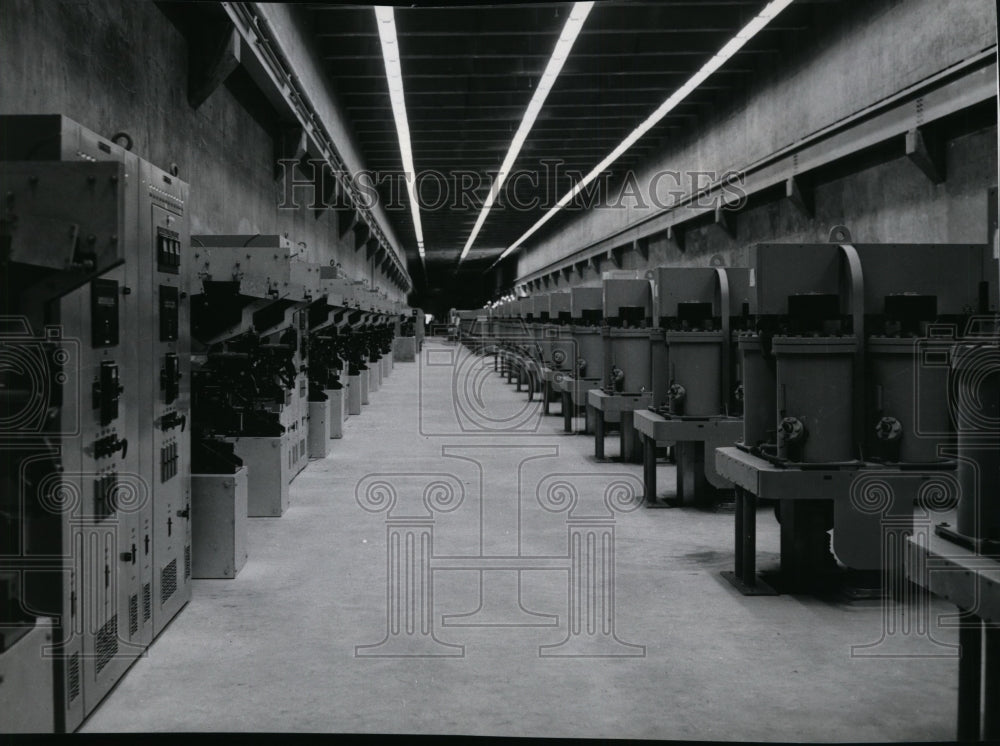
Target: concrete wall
[
  {"x": 291, "y": 31},
  {"x": 116, "y": 65},
  {"x": 864, "y": 59},
  {"x": 891, "y": 202}
]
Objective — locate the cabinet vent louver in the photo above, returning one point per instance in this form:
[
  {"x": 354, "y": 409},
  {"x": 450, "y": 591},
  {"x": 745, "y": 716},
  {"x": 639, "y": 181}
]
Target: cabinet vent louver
[
  {"x": 168, "y": 581},
  {"x": 73, "y": 677},
  {"x": 107, "y": 643},
  {"x": 133, "y": 615}
]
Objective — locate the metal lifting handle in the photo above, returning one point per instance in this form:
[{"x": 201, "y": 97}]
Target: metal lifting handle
[
  {"x": 858, "y": 320},
  {"x": 724, "y": 301}
]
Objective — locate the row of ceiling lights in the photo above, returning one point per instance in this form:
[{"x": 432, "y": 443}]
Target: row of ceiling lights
[
  {"x": 734, "y": 45},
  {"x": 574, "y": 24},
  {"x": 386, "y": 22}
]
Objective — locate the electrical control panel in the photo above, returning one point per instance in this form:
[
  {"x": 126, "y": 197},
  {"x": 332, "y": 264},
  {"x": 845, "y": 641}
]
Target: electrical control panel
[
  {"x": 267, "y": 266},
  {"x": 164, "y": 243},
  {"x": 98, "y": 241}
]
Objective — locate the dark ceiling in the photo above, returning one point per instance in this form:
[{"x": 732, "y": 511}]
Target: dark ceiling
[{"x": 469, "y": 73}]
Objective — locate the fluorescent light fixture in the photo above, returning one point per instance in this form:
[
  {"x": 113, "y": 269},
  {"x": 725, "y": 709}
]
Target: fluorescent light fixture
[
  {"x": 734, "y": 45},
  {"x": 386, "y": 21},
  {"x": 571, "y": 29}
]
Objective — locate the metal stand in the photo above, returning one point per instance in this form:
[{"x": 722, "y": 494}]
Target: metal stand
[
  {"x": 692, "y": 439},
  {"x": 620, "y": 409},
  {"x": 649, "y": 470},
  {"x": 970, "y": 581},
  {"x": 692, "y": 487},
  {"x": 598, "y": 434},
  {"x": 745, "y": 578},
  {"x": 991, "y": 682},
  {"x": 630, "y": 451},
  {"x": 589, "y": 415},
  {"x": 970, "y": 662},
  {"x": 814, "y": 499}
]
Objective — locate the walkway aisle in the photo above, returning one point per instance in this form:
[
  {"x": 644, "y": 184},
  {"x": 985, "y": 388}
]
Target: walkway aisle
[{"x": 275, "y": 649}]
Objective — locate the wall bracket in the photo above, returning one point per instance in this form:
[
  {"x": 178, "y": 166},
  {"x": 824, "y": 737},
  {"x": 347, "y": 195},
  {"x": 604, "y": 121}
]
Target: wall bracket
[
  {"x": 361, "y": 234},
  {"x": 213, "y": 54},
  {"x": 675, "y": 233},
  {"x": 926, "y": 153},
  {"x": 724, "y": 220},
  {"x": 799, "y": 196}
]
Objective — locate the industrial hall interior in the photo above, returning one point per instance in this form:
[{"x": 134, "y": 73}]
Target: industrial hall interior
[{"x": 625, "y": 369}]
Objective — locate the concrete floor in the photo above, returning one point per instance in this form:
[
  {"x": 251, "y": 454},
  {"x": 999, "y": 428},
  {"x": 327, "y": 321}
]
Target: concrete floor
[{"x": 276, "y": 649}]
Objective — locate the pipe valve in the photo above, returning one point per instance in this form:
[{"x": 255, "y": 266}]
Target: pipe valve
[
  {"x": 889, "y": 429},
  {"x": 792, "y": 431},
  {"x": 617, "y": 379},
  {"x": 676, "y": 396}
]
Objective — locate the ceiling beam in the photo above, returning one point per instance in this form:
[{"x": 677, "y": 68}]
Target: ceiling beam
[
  {"x": 601, "y": 91},
  {"x": 525, "y": 74},
  {"x": 616, "y": 105},
  {"x": 620, "y": 4},
  {"x": 445, "y": 56},
  {"x": 545, "y": 35},
  {"x": 495, "y": 117}
]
